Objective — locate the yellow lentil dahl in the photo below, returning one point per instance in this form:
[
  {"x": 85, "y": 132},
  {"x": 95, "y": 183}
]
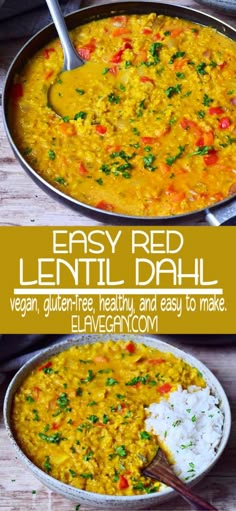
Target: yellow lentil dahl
[
  {"x": 80, "y": 416},
  {"x": 150, "y": 131}
]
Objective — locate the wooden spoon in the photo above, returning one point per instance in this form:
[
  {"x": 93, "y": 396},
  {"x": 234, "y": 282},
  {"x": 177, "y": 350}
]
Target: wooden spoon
[{"x": 160, "y": 469}]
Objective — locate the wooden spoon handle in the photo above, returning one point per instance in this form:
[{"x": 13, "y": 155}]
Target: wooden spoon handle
[{"x": 169, "y": 478}]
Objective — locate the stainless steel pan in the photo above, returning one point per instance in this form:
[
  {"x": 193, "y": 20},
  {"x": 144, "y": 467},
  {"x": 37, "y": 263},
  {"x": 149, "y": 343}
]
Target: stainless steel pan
[{"x": 223, "y": 213}]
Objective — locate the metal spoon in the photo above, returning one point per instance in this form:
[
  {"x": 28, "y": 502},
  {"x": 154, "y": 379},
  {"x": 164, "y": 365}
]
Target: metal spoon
[
  {"x": 71, "y": 58},
  {"x": 160, "y": 469}
]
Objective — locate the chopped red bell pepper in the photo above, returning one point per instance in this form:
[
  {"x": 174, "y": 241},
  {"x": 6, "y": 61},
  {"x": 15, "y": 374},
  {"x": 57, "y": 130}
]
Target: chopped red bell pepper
[
  {"x": 117, "y": 57},
  {"x": 104, "y": 205},
  {"x": 101, "y": 130},
  {"x": 82, "y": 169},
  {"x": 148, "y": 140},
  {"x": 211, "y": 158},
  {"x": 86, "y": 51},
  {"x": 36, "y": 393},
  {"x": 157, "y": 37},
  {"x": 55, "y": 425},
  {"x": 166, "y": 387},
  {"x": 145, "y": 79},
  {"x": 215, "y": 110},
  {"x": 119, "y": 31},
  {"x": 224, "y": 123},
  {"x": 45, "y": 366},
  {"x": 146, "y": 31},
  {"x": 47, "y": 52},
  {"x": 123, "y": 483},
  {"x": 222, "y": 66},
  {"x": 130, "y": 347}
]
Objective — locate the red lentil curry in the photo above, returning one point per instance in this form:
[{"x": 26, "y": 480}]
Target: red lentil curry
[
  {"x": 80, "y": 416},
  {"x": 151, "y": 133}
]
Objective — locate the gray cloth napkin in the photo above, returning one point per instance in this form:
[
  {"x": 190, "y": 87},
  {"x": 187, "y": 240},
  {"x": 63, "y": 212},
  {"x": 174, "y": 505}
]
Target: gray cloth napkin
[{"x": 23, "y": 19}]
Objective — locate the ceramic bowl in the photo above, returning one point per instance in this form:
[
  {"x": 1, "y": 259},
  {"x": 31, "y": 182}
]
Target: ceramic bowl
[{"x": 109, "y": 501}]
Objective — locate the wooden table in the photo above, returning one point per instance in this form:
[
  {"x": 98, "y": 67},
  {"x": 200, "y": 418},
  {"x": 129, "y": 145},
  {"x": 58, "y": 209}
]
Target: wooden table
[
  {"x": 20, "y": 491},
  {"x": 22, "y": 202}
]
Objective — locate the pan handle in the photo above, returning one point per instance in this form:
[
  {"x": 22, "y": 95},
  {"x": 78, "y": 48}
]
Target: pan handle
[{"x": 222, "y": 215}]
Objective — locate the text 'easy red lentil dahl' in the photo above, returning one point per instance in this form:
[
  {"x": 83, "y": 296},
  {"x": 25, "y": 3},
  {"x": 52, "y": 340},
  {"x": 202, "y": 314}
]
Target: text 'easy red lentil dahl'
[{"x": 150, "y": 132}]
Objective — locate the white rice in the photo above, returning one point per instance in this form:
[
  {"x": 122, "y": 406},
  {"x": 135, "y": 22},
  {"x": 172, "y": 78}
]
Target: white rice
[{"x": 189, "y": 423}]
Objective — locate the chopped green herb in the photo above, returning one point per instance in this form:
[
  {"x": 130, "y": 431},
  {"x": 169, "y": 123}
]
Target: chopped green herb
[
  {"x": 185, "y": 446},
  {"x": 80, "y": 115},
  {"x": 72, "y": 472},
  {"x": 110, "y": 382},
  {"x": 187, "y": 94},
  {"x": 51, "y": 154},
  {"x": 148, "y": 161},
  {"x": 172, "y": 121},
  {"x": 172, "y": 159},
  {"x": 206, "y": 100},
  {"x": 88, "y": 378},
  {"x": 128, "y": 63},
  {"x": 121, "y": 451},
  {"x": 176, "y": 423},
  {"x": 213, "y": 63},
  {"x": 144, "y": 435},
  {"x": 201, "y": 151},
  {"x": 77, "y": 507},
  {"x": 80, "y": 91},
  {"x": 88, "y": 456},
  {"x": 113, "y": 98},
  {"x": 201, "y": 114},
  {"x": 177, "y": 55},
  {"x": 55, "y": 438},
  {"x": 85, "y": 361},
  {"x": 79, "y": 391},
  {"x": 91, "y": 403},
  {"x": 105, "y": 371},
  {"x": 93, "y": 418},
  {"x": 99, "y": 181},
  {"x": 48, "y": 370},
  {"x": 120, "y": 396},
  {"x": 194, "y": 418},
  {"x": 122, "y": 87},
  {"x": 105, "y": 70},
  {"x": 167, "y": 32},
  {"x": 135, "y": 131},
  {"x": 60, "y": 180},
  {"x": 180, "y": 75},
  {"x": 36, "y": 415},
  {"x": 30, "y": 399},
  {"x": 171, "y": 91},
  {"x": 66, "y": 118},
  {"x": 87, "y": 476},
  {"x": 105, "y": 419},
  {"x": 34, "y": 492},
  {"x": 201, "y": 69},
  {"x": 63, "y": 401},
  {"x": 27, "y": 150}
]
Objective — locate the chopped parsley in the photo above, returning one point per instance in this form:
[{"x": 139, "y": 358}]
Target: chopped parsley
[
  {"x": 171, "y": 91},
  {"x": 88, "y": 456},
  {"x": 88, "y": 378},
  {"x": 148, "y": 161},
  {"x": 51, "y": 154},
  {"x": 60, "y": 180},
  {"x": 63, "y": 401},
  {"x": 121, "y": 451},
  {"x": 105, "y": 419},
  {"x": 110, "y": 382},
  {"x": 36, "y": 416},
  {"x": 30, "y": 399},
  {"x": 87, "y": 475},
  {"x": 80, "y": 91},
  {"x": 206, "y": 100},
  {"x": 176, "y": 423},
  {"x": 201, "y": 151},
  {"x": 177, "y": 55},
  {"x": 172, "y": 159},
  {"x": 72, "y": 472},
  {"x": 144, "y": 435},
  {"x": 201, "y": 114},
  {"x": 66, "y": 118},
  {"x": 55, "y": 438},
  {"x": 99, "y": 181},
  {"x": 80, "y": 115},
  {"x": 180, "y": 75},
  {"x": 93, "y": 418},
  {"x": 113, "y": 98},
  {"x": 201, "y": 69}
]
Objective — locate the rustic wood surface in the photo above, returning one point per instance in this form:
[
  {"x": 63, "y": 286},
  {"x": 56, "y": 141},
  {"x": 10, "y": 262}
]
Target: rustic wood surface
[
  {"x": 22, "y": 202},
  {"x": 20, "y": 490}
]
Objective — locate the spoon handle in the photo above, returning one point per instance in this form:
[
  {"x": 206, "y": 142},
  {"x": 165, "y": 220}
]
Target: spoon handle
[
  {"x": 169, "y": 478},
  {"x": 71, "y": 58}
]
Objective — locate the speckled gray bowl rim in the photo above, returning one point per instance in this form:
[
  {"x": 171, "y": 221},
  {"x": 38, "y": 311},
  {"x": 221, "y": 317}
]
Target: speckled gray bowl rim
[{"x": 98, "y": 499}]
